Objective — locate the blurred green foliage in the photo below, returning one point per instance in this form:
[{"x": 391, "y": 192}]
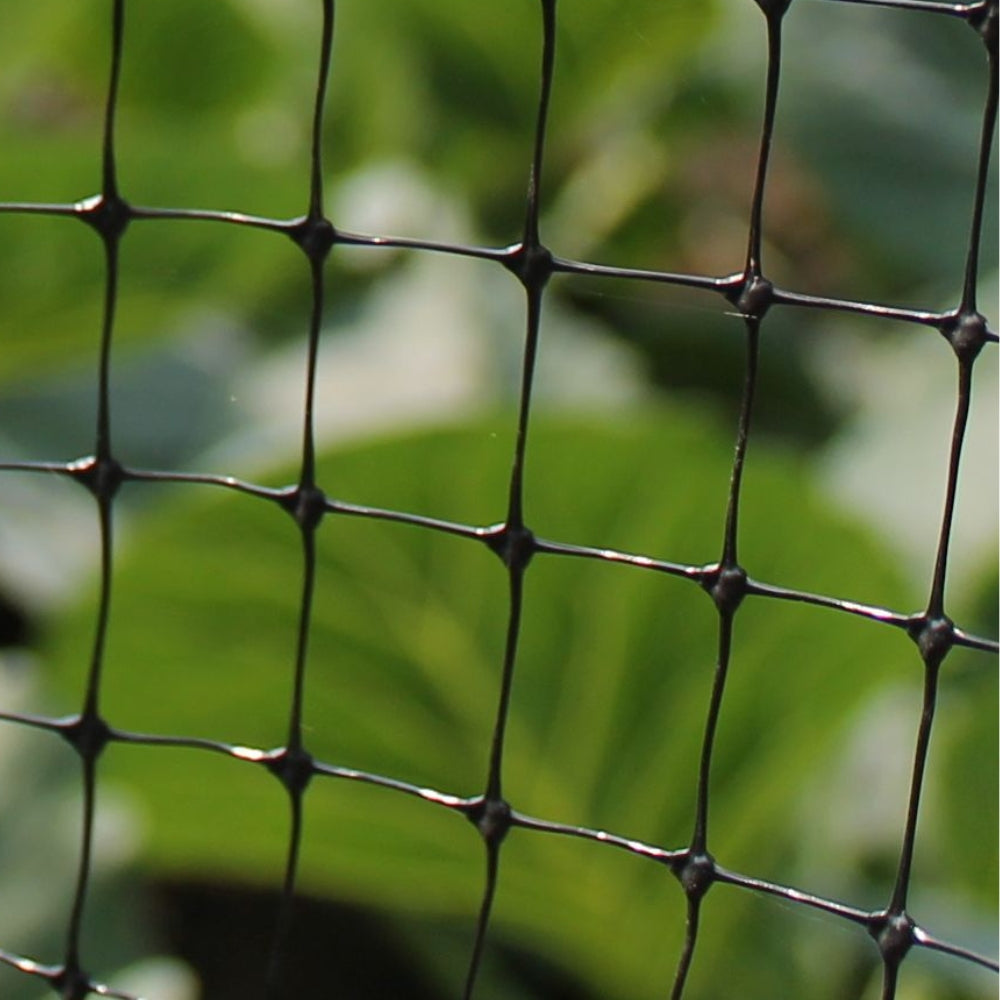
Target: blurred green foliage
[
  {"x": 611, "y": 689},
  {"x": 649, "y": 159},
  {"x": 649, "y": 163}
]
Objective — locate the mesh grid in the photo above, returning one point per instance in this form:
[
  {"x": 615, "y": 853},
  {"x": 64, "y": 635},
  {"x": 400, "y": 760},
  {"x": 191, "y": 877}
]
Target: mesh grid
[{"x": 750, "y": 293}]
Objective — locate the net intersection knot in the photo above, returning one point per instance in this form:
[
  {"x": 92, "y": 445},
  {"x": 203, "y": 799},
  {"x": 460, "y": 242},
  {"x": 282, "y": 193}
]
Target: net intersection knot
[
  {"x": 292, "y": 766},
  {"x": 726, "y": 584},
  {"x": 751, "y": 293},
  {"x": 894, "y": 933},
  {"x": 493, "y": 818},
  {"x": 87, "y": 733},
  {"x": 967, "y": 332},
  {"x": 934, "y": 636},
  {"x": 696, "y": 872},
  {"x": 315, "y": 235},
  {"x": 109, "y": 214},
  {"x": 70, "y": 982},
  {"x": 100, "y": 476},
  {"x": 532, "y": 263},
  {"x": 983, "y": 17},
  {"x": 306, "y": 504},
  {"x": 514, "y": 544},
  {"x": 775, "y": 9}
]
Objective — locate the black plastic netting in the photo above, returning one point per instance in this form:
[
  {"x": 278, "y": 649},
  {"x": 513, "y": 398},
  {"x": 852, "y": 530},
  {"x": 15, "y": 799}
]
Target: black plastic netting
[{"x": 753, "y": 297}]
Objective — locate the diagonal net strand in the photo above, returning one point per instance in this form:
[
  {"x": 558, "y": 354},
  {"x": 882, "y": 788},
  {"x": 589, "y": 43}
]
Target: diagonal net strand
[{"x": 729, "y": 585}]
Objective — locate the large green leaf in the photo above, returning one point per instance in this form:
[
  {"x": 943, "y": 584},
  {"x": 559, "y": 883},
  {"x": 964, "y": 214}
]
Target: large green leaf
[
  {"x": 214, "y": 112},
  {"x": 611, "y": 691}
]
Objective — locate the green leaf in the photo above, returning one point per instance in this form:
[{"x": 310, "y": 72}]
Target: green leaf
[
  {"x": 201, "y": 124},
  {"x": 611, "y": 691}
]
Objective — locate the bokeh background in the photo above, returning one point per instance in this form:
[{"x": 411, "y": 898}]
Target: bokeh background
[{"x": 649, "y": 163}]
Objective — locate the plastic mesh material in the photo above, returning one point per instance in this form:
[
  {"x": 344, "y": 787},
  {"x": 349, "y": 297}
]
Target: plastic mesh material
[{"x": 750, "y": 293}]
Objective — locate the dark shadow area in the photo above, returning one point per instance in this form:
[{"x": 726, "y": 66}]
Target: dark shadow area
[{"x": 224, "y": 933}]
